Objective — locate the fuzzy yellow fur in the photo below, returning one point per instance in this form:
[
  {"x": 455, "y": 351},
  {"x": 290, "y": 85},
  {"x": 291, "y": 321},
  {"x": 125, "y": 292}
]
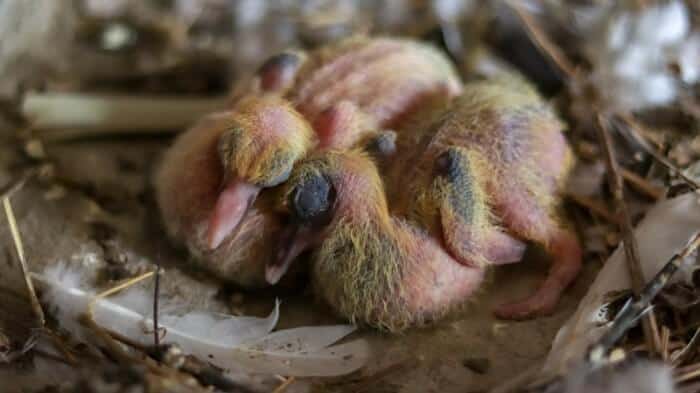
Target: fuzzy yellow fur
[
  {"x": 507, "y": 141},
  {"x": 509, "y": 133},
  {"x": 370, "y": 265},
  {"x": 264, "y": 138}
]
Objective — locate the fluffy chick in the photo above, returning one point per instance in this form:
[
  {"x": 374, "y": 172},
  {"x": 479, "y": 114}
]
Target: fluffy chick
[
  {"x": 483, "y": 179},
  {"x": 371, "y": 267},
  {"x": 212, "y": 185},
  {"x": 188, "y": 186},
  {"x": 507, "y": 137}
]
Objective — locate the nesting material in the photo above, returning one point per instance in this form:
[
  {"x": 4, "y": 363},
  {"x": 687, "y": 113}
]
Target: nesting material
[
  {"x": 226, "y": 341},
  {"x": 663, "y": 232}
]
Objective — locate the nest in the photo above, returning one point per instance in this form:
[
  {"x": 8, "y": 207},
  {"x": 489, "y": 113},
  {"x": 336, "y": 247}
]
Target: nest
[{"x": 83, "y": 93}]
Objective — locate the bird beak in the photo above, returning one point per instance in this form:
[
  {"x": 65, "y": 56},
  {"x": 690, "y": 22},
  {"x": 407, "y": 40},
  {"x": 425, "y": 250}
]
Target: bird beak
[
  {"x": 234, "y": 201},
  {"x": 294, "y": 240}
]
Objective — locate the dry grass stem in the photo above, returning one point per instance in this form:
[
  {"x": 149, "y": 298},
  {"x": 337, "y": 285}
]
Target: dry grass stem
[
  {"x": 59, "y": 116},
  {"x": 629, "y": 241},
  {"x": 19, "y": 249},
  {"x": 595, "y": 207},
  {"x": 642, "y": 185},
  {"x": 540, "y": 38}
]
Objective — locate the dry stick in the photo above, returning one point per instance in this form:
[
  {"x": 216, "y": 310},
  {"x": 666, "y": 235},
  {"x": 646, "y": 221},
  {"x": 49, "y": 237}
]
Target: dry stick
[
  {"x": 642, "y": 185},
  {"x": 213, "y": 376},
  {"x": 595, "y": 207},
  {"x": 633, "y": 129},
  {"x": 109, "y": 337},
  {"x": 687, "y": 350},
  {"x": 114, "y": 348},
  {"x": 60, "y": 346},
  {"x": 665, "y": 341},
  {"x": 123, "y": 357},
  {"x": 562, "y": 61},
  {"x": 629, "y": 242},
  {"x": 543, "y": 42},
  {"x": 156, "y": 290},
  {"x": 632, "y": 311},
  {"x": 90, "y": 322},
  {"x": 19, "y": 249},
  {"x": 59, "y": 116},
  {"x": 688, "y": 376},
  {"x": 123, "y": 285}
]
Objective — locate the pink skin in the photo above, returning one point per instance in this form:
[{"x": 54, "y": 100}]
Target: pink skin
[
  {"x": 295, "y": 240},
  {"x": 528, "y": 219},
  {"x": 432, "y": 280},
  {"x": 525, "y": 218},
  {"x": 229, "y": 211},
  {"x": 188, "y": 184},
  {"x": 358, "y": 86},
  {"x": 435, "y": 280}
]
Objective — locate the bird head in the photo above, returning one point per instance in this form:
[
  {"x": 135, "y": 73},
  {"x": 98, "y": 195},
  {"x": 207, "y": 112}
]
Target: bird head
[
  {"x": 328, "y": 190},
  {"x": 264, "y": 137}
]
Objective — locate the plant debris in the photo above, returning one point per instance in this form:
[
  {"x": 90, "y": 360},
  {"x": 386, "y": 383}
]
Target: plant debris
[{"x": 93, "y": 90}]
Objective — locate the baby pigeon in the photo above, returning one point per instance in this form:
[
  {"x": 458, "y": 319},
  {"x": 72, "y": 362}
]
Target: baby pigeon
[
  {"x": 479, "y": 182},
  {"x": 214, "y": 185}
]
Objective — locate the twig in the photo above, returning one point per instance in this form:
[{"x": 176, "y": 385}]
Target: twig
[
  {"x": 19, "y": 249},
  {"x": 617, "y": 189},
  {"x": 58, "y": 116},
  {"x": 642, "y": 185},
  {"x": 629, "y": 315},
  {"x": 665, "y": 341},
  {"x": 60, "y": 346},
  {"x": 634, "y": 265},
  {"x": 51, "y": 356},
  {"x": 595, "y": 207},
  {"x": 543, "y": 42},
  {"x": 687, "y": 350},
  {"x": 633, "y": 129},
  {"x": 203, "y": 371},
  {"x": 127, "y": 283},
  {"x": 156, "y": 290},
  {"x": 689, "y": 375}
]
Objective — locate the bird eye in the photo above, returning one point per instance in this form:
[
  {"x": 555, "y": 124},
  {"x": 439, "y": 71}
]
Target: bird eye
[{"x": 312, "y": 199}]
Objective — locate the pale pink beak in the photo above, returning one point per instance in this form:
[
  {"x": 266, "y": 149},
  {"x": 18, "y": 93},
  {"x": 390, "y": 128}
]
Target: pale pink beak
[
  {"x": 234, "y": 201},
  {"x": 294, "y": 240}
]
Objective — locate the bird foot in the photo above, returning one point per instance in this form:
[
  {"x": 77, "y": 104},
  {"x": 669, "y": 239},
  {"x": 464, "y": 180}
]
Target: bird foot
[
  {"x": 566, "y": 251},
  {"x": 541, "y": 303}
]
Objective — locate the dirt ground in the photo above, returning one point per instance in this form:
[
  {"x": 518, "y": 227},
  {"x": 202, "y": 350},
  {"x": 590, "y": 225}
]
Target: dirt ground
[{"x": 100, "y": 213}]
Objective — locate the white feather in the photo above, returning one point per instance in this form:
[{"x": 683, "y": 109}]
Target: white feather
[
  {"x": 227, "y": 341},
  {"x": 664, "y": 231}
]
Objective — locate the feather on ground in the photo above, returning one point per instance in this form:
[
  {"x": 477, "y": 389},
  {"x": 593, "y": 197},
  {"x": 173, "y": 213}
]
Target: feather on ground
[
  {"x": 226, "y": 341},
  {"x": 663, "y": 232}
]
